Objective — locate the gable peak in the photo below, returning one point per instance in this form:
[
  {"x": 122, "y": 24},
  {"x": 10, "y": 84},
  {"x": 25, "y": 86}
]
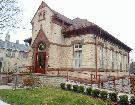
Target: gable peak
[{"x": 43, "y": 4}]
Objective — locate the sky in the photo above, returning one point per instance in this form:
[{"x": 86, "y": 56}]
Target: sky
[{"x": 115, "y": 16}]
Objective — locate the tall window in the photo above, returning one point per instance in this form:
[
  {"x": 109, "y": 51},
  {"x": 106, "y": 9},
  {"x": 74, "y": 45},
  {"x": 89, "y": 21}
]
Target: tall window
[
  {"x": 40, "y": 15},
  {"x": 120, "y": 65},
  {"x": 126, "y": 62},
  {"x": 77, "y": 55},
  {"x": 112, "y": 58},
  {"x": 111, "y": 55},
  {"x": 116, "y": 60},
  {"x": 43, "y": 15},
  {"x": 101, "y": 58}
]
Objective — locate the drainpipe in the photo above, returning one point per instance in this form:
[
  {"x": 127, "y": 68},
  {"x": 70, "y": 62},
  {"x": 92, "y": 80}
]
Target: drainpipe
[{"x": 96, "y": 55}]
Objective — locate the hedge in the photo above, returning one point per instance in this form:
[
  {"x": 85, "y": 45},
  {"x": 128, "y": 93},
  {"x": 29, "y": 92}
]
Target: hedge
[{"x": 104, "y": 95}]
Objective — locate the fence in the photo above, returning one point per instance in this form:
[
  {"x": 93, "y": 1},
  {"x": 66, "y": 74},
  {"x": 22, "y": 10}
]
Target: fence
[{"x": 107, "y": 81}]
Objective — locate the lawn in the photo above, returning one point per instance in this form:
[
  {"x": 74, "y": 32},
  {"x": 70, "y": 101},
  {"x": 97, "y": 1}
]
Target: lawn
[{"x": 47, "y": 96}]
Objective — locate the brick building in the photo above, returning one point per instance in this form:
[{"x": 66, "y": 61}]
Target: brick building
[{"x": 58, "y": 42}]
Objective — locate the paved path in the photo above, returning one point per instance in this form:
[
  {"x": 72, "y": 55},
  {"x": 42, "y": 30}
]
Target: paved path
[
  {"x": 5, "y": 87},
  {"x": 3, "y": 103}
]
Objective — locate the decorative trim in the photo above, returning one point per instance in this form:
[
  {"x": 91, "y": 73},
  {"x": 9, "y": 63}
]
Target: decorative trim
[
  {"x": 41, "y": 19},
  {"x": 77, "y": 41},
  {"x": 84, "y": 69},
  {"x": 61, "y": 45},
  {"x": 72, "y": 69},
  {"x": 89, "y": 43}
]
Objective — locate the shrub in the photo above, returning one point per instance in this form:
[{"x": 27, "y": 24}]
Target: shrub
[
  {"x": 95, "y": 93},
  {"x": 103, "y": 95},
  {"x": 113, "y": 97},
  {"x": 123, "y": 100},
  {"x": 75, "y": 88},
  {"x": 81, "y": 89},
  {"x": 88, "y": 91},
  {"x": 68, "y": 86},
  {"x": 132, "y": 100},
  {"x": 62, "y": 85},
  {"x": 28, "y": 81}
]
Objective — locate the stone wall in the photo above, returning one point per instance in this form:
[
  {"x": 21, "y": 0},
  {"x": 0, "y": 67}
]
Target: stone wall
[{"x": 52, "y": 80}]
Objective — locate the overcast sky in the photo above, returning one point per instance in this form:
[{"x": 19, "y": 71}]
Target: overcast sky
[{"x": 115, "y": 16}]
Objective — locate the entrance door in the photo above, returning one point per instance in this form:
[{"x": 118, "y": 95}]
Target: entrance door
[{"x": 40, "y": 62}]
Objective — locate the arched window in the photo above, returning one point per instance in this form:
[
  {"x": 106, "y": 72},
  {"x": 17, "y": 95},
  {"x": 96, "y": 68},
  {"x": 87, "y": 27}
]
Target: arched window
[
  {"x": 40, "y": 15},
  {"x": 43, "y": 15},
  {"x": 41, "y": 47}
]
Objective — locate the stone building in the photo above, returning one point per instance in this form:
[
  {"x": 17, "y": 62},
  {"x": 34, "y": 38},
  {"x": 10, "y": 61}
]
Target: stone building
[
  {"x": 59, "y": 43},
  {"x": 12, "y": 54}
]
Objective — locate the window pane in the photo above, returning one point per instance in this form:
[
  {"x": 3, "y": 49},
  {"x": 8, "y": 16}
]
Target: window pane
[
  {"x": 80, "y": 46},
  {"x": 77, "y": 58},
  {"x": 77, "y": 63},
  {"x": 76, "y": 54},
  {"x": 76, "y": 45}
]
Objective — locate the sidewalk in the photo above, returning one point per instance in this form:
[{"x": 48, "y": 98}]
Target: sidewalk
[
  {"x": 5, "y": 87},
  {"x": 3, "y": 103}
]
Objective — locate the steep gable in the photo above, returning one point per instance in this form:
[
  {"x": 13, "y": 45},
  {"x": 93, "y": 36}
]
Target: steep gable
[
  {"x": 79, "y": 26},
  {"x": 43, "y": 4}
]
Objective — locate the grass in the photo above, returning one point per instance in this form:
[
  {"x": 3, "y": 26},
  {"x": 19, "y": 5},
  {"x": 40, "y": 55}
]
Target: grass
[{"x": 47, "y": 96}]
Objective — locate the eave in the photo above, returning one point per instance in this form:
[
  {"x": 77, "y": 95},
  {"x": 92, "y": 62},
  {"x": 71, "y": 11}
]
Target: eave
[{"x": 97, "y": 31}]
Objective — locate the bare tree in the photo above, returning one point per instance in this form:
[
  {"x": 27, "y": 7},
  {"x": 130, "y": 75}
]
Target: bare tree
[{"x": 9, "y": 10}]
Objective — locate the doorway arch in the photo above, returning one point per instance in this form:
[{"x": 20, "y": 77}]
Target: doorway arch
[{"x": 40, "y": 48}]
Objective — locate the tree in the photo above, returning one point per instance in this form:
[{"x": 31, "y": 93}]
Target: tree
[{"x": 9, "y": 10}]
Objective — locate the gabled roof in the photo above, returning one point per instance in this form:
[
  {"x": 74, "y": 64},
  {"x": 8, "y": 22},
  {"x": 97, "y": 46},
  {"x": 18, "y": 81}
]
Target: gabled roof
[
  {"x": 58, "y": 15},
  {"x": 42, "y": 5},
  {"x": 82, "y": 24},
  {"x": 62, "y": 17},
  {"x": 78, "y": 23}
]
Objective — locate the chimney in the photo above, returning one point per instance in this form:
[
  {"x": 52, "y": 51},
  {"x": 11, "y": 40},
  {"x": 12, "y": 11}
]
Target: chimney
[
  {"x": 17, "y": 41},
  {"x": 7, "y": 38}
]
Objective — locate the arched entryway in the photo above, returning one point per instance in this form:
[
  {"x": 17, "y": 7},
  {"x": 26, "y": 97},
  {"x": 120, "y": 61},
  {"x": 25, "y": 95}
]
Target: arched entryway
[
  {"x": 40, "y": 53},
  {"x": 40, "y": 58}
]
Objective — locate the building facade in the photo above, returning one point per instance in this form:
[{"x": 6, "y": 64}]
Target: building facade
[
  {"x": 12, "y": 54},
  {"x": 61, "y": 43}
]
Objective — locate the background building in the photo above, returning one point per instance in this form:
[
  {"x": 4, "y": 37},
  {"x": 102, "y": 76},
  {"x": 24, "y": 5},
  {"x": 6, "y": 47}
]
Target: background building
[{"x": 12, "y": 54}]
